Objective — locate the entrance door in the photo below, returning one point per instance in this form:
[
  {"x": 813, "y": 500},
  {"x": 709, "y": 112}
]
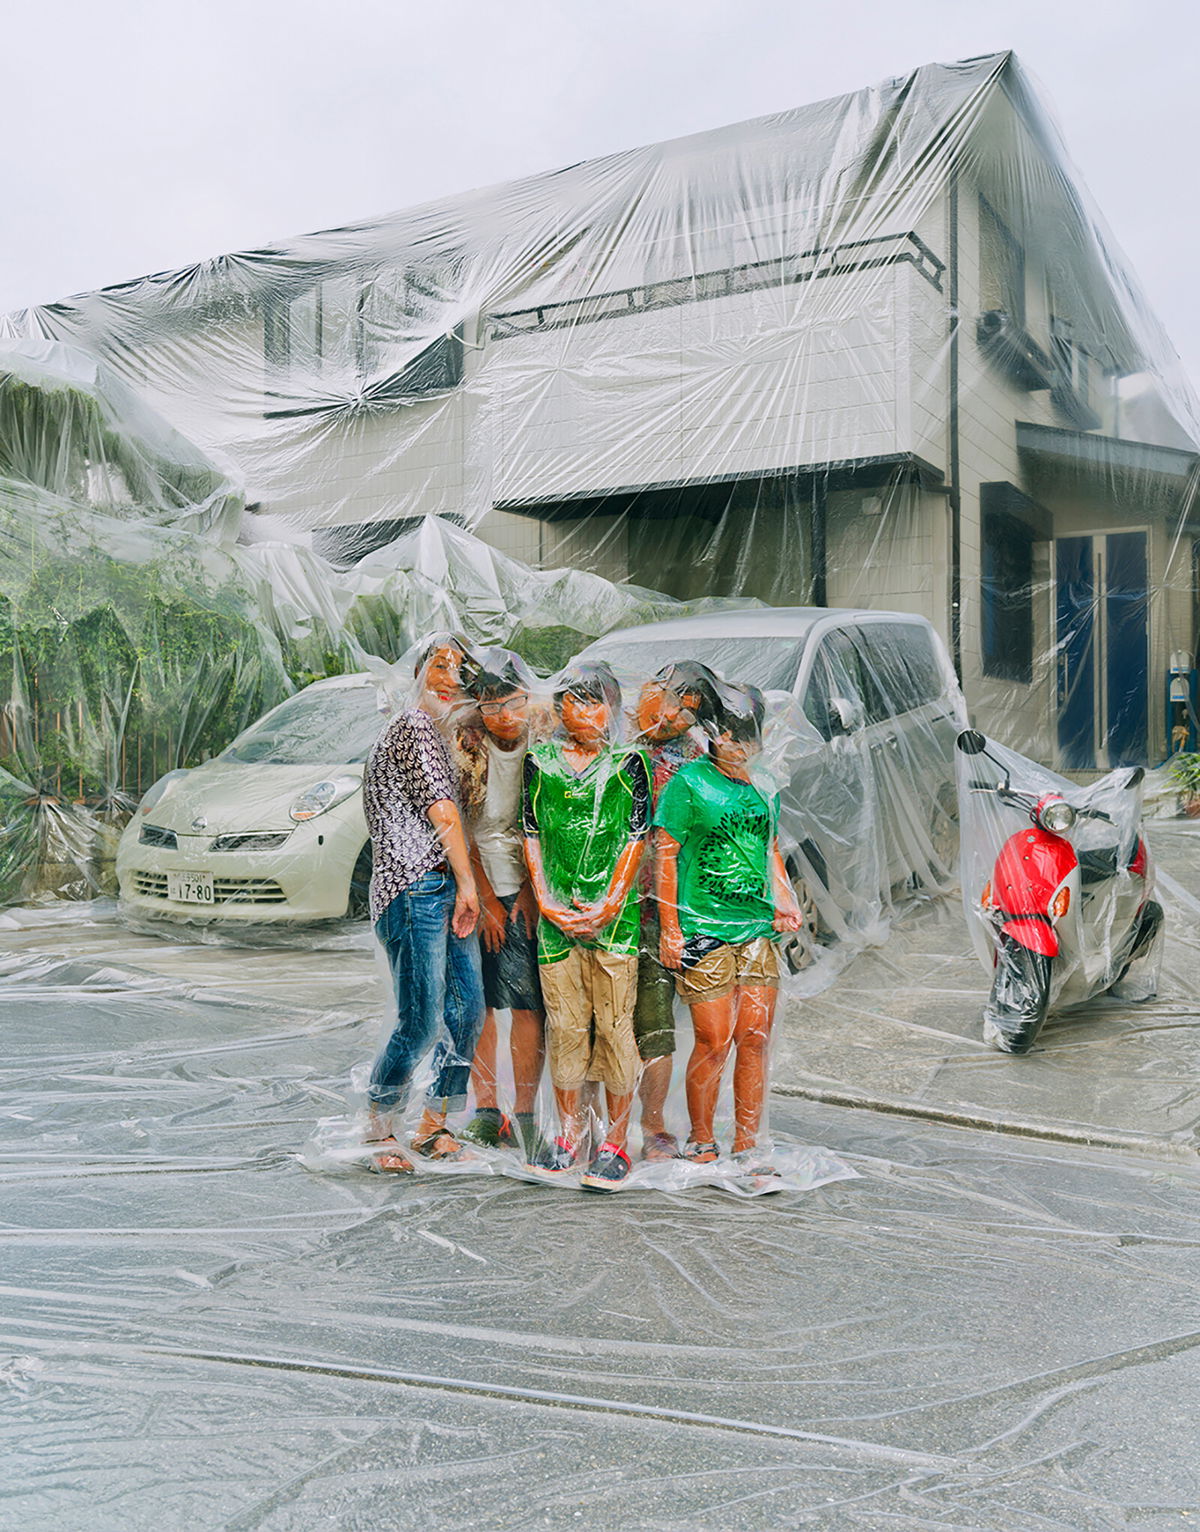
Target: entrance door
[{"x": 1101, "y": 615}]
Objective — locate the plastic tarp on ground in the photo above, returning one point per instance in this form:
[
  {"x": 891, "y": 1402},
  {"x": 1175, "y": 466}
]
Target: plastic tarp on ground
[{"x": 979, "y": 1331}]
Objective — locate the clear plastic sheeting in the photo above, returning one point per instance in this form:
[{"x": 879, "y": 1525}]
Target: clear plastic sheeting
[
  {"x": 199, "y": 1329},
  {"x": 810, "y": 438},
  {"x": 875, "y": 352}
]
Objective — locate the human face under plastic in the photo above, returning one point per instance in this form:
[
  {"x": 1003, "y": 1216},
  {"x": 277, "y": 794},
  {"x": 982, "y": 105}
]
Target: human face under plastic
[
  {"x": 442, "y": 673},
  {"x": 506, "y": 718},
  {"x": 734, "y": 756},
  {"x": 585, "y": 720},
  {"x": 663, "y": 714}
]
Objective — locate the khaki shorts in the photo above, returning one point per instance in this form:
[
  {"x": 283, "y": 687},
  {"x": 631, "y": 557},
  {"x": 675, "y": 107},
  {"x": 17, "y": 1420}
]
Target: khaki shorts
[
  {"x": 753, "y": 964},
  {"x": 589, "y": 997}
]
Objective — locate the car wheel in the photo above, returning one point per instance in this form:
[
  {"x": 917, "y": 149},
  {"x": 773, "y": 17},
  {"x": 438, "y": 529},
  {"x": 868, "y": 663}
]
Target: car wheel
[
  {"x": 359, "y": 905},
  {"x": 943, "y": 839}
]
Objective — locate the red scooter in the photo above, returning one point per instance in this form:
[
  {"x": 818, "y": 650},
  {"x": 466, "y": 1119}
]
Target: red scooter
[{"x": 1065, "y": 912}]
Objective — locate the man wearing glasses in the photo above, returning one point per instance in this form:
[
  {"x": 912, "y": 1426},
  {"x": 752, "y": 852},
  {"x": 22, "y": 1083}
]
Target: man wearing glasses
[{"x": 489, "y": 757}]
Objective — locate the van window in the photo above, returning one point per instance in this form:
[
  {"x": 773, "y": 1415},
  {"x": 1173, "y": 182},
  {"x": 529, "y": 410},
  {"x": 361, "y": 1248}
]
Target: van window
[
  {"x": 836, "y": 672},
  {"x": 900, "y": 671}
]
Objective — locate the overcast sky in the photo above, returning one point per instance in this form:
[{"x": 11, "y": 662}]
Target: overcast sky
[{"x": 144, "y": 136}]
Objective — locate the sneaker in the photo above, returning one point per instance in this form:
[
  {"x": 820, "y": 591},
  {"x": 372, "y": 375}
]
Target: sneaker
[
  {"x": 491, "y": 1129},
  {"x": 556, "y": 1158},
  {"x": 607, "y": 1170}
]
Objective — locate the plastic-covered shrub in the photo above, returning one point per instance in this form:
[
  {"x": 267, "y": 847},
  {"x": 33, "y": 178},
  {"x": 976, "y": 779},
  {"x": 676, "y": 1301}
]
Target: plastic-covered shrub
[{"x": 129, "y": 644}]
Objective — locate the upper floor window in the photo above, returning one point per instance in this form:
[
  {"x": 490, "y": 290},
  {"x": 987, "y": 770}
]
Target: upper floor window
[{"x": 377, "y": 337}]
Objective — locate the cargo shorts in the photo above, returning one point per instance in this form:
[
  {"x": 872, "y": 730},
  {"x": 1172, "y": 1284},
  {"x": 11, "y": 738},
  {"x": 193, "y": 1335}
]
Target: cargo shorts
[{"x": 589, "y": 997}]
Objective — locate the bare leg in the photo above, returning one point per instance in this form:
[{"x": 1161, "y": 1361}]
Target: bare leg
[
  {"x": 619, "y": 1108},
  {"x": 570, "y": 1113},
  {"x": 527, "y": 1040},
  {"x": 656, "y": 1082},
  {"x": 483, "y": 1067},
  {"x": 755, "y": 1010},
  {"x": 712, "y": 1023}
]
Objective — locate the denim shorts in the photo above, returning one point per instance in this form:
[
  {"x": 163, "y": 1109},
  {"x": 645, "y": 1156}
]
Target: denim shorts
[{"x": 510, "y": 976}]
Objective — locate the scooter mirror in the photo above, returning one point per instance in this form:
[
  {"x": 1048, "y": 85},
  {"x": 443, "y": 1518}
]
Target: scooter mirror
[
  {"x": 1134, "y": 779},
  {"x": 971, "y": 742}
]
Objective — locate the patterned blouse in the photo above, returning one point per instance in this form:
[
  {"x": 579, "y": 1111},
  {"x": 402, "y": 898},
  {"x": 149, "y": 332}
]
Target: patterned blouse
[{"x": 407, "y": 770}]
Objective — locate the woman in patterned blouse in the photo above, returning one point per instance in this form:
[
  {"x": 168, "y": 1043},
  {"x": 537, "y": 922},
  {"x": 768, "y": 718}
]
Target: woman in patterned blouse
[{"x": 425, "y": 908}]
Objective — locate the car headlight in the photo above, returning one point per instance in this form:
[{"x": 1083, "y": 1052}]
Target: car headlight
[
  {"x": 160, "y": 789},
  {"x": 1056, "y": 817},
  {"x": 321, "y": 796}
]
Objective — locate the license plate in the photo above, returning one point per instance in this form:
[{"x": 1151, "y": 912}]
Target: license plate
[{"x": 190, "y": 887}]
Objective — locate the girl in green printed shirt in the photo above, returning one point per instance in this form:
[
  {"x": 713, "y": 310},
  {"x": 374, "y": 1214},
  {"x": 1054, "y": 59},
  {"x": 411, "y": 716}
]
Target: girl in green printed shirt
[{"x": 724, "y": 897}]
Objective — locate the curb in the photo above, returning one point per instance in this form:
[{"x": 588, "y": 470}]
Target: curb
[{"x": 1185, "y": 1153}]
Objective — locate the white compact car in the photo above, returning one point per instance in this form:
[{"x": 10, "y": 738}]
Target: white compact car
[{"x": 270, "y": 830}]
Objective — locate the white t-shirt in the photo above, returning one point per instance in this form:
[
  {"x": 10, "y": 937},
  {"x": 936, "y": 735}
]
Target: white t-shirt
[{"x": 498, "y": 829}]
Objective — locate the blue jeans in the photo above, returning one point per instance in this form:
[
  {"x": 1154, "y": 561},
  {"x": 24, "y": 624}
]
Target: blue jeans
[{"x": 439, "y": 996}]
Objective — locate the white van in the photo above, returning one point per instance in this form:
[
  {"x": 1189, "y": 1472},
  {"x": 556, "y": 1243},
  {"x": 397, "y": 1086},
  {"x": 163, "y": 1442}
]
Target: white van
[{"x": 865, "y": 710}]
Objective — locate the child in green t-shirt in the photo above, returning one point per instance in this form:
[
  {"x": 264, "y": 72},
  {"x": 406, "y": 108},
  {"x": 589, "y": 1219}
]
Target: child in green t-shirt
[
  {"x": 586, "y": 813},
  {"x": 723, "y": 898}
]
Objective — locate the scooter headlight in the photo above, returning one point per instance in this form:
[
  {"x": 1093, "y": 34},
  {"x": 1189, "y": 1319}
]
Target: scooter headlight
[
  {"x": 322, "y": 796},
  {"x": 1056, "y": 816}
]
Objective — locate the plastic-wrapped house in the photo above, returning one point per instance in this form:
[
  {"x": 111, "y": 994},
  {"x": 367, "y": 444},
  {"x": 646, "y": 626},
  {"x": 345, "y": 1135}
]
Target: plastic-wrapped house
[{"x": 875, "y": 352}]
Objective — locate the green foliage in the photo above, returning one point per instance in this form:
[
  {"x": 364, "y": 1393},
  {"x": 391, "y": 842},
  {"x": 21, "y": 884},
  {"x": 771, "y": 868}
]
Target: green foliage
[
  {"x": 1184, "y": 771},
  {"x": 116, "y": 670},
  {"x": 63, "y": 439},
  {"x": 548, "y": 649}
]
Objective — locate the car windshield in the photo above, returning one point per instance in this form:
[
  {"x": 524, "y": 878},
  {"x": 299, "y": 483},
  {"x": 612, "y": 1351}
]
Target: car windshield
[
  {"x": 313, "y": 729},
  {"x": 770, "y": 663}
]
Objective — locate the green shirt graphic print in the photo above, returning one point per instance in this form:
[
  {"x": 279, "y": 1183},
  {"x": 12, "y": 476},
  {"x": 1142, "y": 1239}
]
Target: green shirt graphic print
[
  {"x": 584, "y": 820},
  {"x": 725, "y": 830}
]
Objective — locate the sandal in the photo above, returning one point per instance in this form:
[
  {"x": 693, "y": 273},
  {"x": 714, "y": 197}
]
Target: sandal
[
  {"x": 700, "y": 1154},
  {"x": 441, "y": 1144},
  {"x": 660, "y": 1146},
  {"x": 389, "y": 1158}
]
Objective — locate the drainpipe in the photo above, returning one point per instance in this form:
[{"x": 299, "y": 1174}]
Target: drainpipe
[
  {"x": 819, "y": 510},
  {"x": 954, "y": 494}
]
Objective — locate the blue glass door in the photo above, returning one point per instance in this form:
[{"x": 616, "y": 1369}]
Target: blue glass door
[
  {"x": 1075, "y": 630},
  {"x": 1126, "y": 649},
  {"x": 1102, "y": 641}
]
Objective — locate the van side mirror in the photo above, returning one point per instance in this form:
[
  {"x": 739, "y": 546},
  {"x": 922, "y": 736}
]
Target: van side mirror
[{"x": 844, "y": 716}]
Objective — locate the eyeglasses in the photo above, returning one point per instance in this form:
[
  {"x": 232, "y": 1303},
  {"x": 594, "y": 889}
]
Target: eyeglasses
[{"x": 514, "y": 704}]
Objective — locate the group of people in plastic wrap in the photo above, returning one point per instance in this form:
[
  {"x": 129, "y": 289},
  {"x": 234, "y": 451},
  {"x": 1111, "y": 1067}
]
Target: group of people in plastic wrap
[{"x": 576, "y": 864}]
